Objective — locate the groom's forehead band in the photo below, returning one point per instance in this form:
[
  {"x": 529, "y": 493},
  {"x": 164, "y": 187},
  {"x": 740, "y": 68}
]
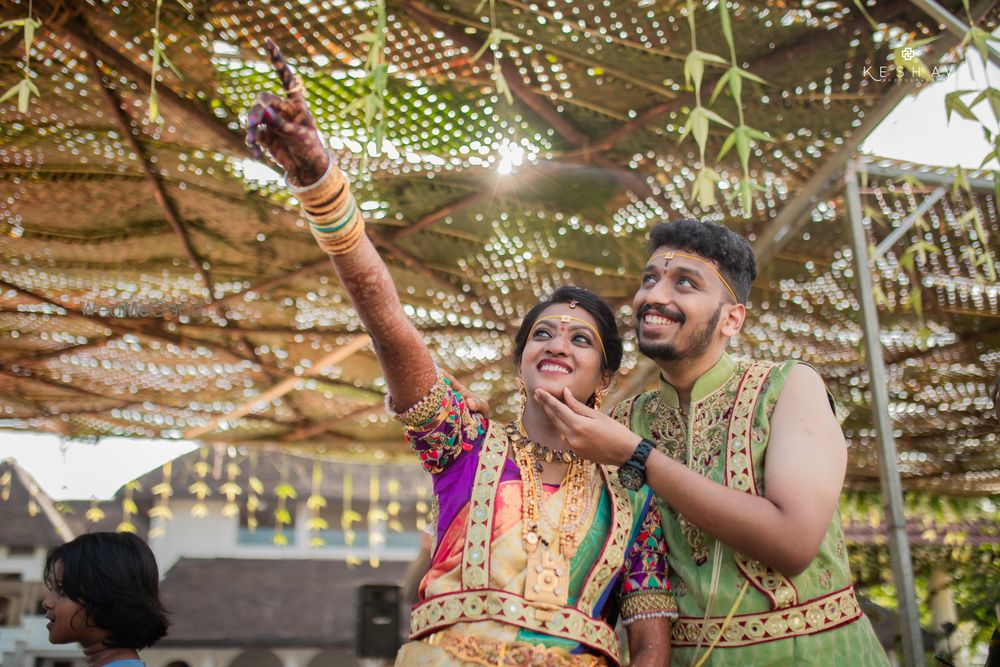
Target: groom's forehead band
[{"x": 670, "y": 254}]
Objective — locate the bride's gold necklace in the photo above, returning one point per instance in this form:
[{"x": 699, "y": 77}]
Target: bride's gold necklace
[
  {"x": 539, "y": 452},
  {"x": 547, "y": 583}
]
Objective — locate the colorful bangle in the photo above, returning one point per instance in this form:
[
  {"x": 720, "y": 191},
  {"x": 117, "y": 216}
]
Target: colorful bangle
[
  {"x": 648, "y": 603},
  {"x": 333, "y": 215},
  {"x": 320, "y": 224},
  {"x": 343, "y": 242}
]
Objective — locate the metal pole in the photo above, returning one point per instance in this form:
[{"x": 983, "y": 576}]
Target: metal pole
[
  {"x": 892, "y": 488},
  {"x": 906, "y": 224},
  {"x": 925, "y": 177},
  {"x": 951, "y": 23}
]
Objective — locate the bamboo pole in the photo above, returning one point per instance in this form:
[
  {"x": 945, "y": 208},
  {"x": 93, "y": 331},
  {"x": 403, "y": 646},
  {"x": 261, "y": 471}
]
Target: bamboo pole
[{"x": 282, "y": 388}]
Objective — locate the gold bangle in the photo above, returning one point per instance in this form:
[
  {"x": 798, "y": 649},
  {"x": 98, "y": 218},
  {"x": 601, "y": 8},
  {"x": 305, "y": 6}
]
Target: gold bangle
[
  {"x": 323, "y": 190},
  {"x": 338, "y": 218},
  {"x": 421, "y": 412},
  {"x": 341, "y": 242},
  {"x": 329, "y": 205}
]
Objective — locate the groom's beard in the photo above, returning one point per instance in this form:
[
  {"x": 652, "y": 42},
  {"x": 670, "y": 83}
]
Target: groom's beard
[{"x": 698, "y": 341}]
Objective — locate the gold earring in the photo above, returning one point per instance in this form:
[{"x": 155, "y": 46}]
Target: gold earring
[
  {"x": 599, "y": 397},
  {"x": 522, "y": 395}
]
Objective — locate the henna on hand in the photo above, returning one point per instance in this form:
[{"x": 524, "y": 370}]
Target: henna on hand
[{"x": 284, "y": 127}]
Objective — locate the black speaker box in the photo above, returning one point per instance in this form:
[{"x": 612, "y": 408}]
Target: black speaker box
[{"x": 378, "y": 621}]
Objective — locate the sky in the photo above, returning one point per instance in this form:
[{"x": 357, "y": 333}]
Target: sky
[
  {"x": 916, "y": 131},
  {"x": 77, "y": 470}
]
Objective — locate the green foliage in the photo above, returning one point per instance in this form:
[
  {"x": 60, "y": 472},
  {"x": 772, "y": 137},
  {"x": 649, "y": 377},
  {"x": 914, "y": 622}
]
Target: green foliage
[
  {"x": 372, "y": 102},
  {"x": 946, "y": 520},
  {"x": 957, "y": 102},
  {"x": 700, "y": 118},
  {"x": 973, "y": 581},
  {"x": 25, "y": 88},
  {"x": 159, "y": 58},
  {"x": 980, "y": 39}
]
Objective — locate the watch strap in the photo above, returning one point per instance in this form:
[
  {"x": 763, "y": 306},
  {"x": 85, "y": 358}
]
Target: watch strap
[{"x": 641, "y": 453}]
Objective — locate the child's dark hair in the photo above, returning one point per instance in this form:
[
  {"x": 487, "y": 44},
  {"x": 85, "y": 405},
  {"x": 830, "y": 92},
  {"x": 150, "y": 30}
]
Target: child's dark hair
[
  {"x": 588, "y": 301},
  {"x": 114, "y": 577},
  {"x": 726, "y": 248}
]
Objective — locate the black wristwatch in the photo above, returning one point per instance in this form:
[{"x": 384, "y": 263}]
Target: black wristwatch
[{"x": 632, "y": 474}]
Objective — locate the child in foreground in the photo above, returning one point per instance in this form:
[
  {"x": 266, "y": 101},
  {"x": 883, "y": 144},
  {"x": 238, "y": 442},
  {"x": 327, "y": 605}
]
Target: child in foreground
[{"x": 104, "y": 595}]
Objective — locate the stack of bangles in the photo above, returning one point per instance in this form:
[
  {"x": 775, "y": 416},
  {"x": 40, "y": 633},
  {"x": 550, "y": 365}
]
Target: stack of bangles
[{"x": 333, "y": 215}]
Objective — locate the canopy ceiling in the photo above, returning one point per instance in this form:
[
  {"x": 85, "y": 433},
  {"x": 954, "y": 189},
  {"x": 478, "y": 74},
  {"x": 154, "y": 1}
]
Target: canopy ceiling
[{"x": 478, "y": 206}]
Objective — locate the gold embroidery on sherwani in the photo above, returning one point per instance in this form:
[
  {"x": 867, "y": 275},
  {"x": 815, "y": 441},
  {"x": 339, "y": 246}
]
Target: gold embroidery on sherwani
[
  {"x": 739, "y": 474},
  {"x": 701, "y": 450},
  {"x": 812, "y": 617}
]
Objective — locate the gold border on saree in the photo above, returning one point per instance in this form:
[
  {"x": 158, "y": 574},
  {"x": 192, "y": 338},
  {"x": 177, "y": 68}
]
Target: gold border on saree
[
  {"x": 490, "y": 652},
  {"x": 447, "y": 609}
]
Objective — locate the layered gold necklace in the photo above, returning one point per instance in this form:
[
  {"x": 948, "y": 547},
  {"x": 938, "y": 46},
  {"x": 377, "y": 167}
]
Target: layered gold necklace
[{"x": 547, "y": 583}]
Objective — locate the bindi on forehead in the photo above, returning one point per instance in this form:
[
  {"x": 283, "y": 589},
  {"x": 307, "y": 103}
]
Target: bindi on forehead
[
  {"x": 670, "y": 255},
  {"x": 563, "y": 322}
]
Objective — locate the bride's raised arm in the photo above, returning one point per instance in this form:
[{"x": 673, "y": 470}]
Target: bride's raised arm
[{"x": 284, "y": 127}]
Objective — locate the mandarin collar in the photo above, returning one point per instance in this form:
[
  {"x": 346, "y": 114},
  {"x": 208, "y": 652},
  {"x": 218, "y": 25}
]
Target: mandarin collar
[{"x": 705, "y": 385}]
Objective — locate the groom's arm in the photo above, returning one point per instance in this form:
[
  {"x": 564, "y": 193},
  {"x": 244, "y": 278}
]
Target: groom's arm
[{"x": 804, "y": 468}]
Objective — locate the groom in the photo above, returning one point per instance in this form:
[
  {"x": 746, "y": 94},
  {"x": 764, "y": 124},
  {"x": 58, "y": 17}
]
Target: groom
[{"x": 747, "y": 459}]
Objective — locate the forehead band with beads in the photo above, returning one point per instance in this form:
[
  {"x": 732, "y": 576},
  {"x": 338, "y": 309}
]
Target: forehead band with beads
[
  {"x": 670, "y": 255},
  {"x": 566, "y": 319}
]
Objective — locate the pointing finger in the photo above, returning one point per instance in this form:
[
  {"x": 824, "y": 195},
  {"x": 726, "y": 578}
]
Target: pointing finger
[{"x": 289, "y": 81}]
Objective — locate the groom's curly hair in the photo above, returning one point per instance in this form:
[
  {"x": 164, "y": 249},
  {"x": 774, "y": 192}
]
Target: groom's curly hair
[{"x": 730, "y": 251}]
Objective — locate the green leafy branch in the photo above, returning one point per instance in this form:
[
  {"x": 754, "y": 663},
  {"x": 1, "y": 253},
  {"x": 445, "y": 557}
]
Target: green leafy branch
[
  {"x": 964, "y": 103},
  {"x": 700, "y": 118},
  {"x": 956, "y": 102},
  {"x": 976, "y": 36},
  {"x": 492, "y": 43},
  {"x": 24, "y": 88},
  {"x": 160, "y": 57},
  {"x": 742, "y": 135},
  {"x": 376, "y": 81}
]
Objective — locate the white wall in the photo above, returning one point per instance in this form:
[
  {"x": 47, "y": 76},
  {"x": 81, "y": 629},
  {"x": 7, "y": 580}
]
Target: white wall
[
  {"x": 28, "y": 566},
  {"x": 215, "y": 536},
  {"x": 20, "y": 646}
]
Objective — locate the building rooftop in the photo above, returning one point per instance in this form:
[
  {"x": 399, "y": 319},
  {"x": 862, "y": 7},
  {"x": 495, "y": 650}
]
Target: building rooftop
[{"x": 244, "y": 602}]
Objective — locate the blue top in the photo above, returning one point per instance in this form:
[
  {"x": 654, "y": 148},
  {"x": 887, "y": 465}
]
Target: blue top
[{"x": 126, "y": 663}]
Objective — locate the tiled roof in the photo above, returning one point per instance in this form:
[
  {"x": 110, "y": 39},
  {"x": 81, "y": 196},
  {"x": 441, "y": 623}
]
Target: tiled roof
[
  {"x": 241, "y": 602},
  {"x": 23, "y": 523}
]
